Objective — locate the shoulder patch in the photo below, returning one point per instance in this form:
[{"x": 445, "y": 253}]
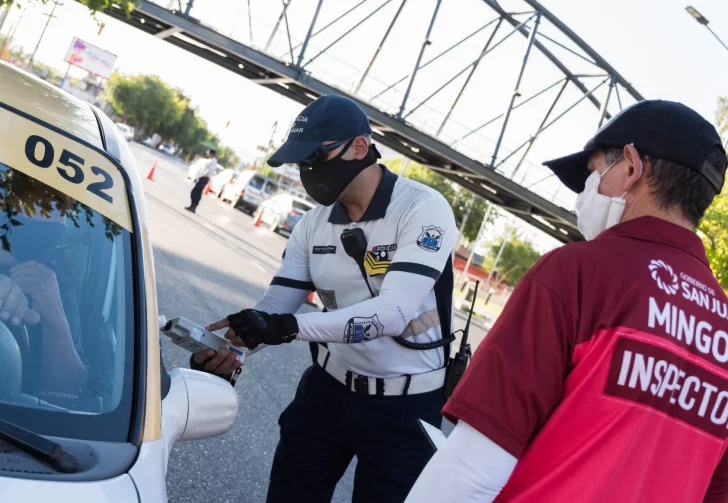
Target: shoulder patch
[
  {"x": 363, "y": 329},
  {"x": 431, "y": 238}
]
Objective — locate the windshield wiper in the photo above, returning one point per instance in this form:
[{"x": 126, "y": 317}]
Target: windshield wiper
[{"x": 39, "y": 447}]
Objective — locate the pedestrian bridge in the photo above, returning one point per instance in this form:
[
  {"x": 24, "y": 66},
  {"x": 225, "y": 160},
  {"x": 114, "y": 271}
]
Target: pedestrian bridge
[{"x": 480, "y": 91}]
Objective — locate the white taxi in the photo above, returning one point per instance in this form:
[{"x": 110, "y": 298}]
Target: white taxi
[{"x": 87, "y": 411}]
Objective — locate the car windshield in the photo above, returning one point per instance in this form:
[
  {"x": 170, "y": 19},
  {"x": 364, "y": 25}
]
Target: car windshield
[
  {"x": 270, "y": 189},
  {"x": 65, "y": 254},
  {"x": 256, "y": 183},
  {"x": 298, "y": 205}
]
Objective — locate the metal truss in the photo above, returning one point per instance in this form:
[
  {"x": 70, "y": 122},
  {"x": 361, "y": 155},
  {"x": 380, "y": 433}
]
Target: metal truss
[{"x": 437, "y": 112}]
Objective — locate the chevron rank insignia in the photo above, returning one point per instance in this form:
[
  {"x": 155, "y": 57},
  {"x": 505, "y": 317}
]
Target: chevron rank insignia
[{"x": 377, "y": 259}]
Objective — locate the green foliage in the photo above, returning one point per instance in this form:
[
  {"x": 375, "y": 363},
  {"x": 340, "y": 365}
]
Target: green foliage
[
  {"x": 517, "y": 258},
  {"x": 714, "y": 231},
  {"x": 146, "y": 102},
  {"x": 459, "y": 199},
  {"x": 721, "y": 115},
  {"x": 93, "y": 5},
  {"x": 227, "y": 157},
  {"x": 151, "y": 105}
]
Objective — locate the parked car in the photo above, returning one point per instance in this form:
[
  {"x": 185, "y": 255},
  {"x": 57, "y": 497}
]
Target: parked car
[
  {"x": 249, "y": 190},
  {"x": 168, "y": 149},
  {"x": 86, "y": 405},
  {"x": 221, "y": 178},
  {"x": 281, "y": 213},
  {"x": 126, "y": 131}
]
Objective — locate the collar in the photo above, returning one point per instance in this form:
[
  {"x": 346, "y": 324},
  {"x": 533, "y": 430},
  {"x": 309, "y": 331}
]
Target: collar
[
  {"x": 659, "y": 231},
  {"x": 377, "y": 208}
]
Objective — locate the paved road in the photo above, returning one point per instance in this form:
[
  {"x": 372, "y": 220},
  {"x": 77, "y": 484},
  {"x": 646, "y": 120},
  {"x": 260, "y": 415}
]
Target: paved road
[{"x": 208, "y": 265}]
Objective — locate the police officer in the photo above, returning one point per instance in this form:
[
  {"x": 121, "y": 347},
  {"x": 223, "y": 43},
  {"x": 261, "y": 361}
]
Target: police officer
[
  {"x": 378, "y": 253},
  {"x": 208, "y": 166},
  {"x": 604, "y": 378}
]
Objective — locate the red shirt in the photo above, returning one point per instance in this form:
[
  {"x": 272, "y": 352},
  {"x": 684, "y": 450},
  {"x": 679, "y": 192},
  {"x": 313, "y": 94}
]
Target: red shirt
[{"x": 607, "y": 373}]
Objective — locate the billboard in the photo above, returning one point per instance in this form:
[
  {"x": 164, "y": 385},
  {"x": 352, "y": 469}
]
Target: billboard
[{"x": 90, "y": 58}]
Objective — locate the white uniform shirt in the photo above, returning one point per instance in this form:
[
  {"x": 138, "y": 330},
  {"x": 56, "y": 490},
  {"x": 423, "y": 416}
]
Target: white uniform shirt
[
  {"x": 410, "y": 231},
  {"x": 207, "y": 168}
]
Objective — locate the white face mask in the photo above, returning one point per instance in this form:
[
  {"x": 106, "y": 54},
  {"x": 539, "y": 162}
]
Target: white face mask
[{"x": 596, "y": 212}]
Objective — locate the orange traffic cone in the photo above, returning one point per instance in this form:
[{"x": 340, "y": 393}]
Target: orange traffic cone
[
  {"x": 259, "y": 219},
  {"x": 208, "y": 187},
  {"x": 150, "y": 176},
  {"x": 309, "y": 299}
]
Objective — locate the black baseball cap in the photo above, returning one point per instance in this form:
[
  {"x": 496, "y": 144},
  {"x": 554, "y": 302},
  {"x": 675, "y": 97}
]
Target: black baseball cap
[
  {"x": 330, "y": 117},
  {"x": 661, "y": 129}
]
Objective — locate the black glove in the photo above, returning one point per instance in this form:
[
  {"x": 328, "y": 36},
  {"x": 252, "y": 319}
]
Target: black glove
[{"x": 256, "y": 327}]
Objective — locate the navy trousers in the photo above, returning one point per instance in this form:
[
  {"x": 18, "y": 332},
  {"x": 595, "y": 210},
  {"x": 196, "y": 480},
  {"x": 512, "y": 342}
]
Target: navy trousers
[
  {"x": 196, "y": 193},
  {"x": 326, "y": 425}
]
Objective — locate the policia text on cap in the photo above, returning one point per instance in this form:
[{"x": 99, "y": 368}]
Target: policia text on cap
[{"x": 378, "y": 253}]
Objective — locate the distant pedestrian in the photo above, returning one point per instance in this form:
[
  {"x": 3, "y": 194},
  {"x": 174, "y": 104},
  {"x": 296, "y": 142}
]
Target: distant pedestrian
[{"x": 202, "y": 179}]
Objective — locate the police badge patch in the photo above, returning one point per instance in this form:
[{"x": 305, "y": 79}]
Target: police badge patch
[
  {"x": 360, "y": 329},
  {"x": 431, "y": 238}
]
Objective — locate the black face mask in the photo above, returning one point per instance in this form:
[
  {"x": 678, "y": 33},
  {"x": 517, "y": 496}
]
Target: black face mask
[{"x": 325, "y": 181}]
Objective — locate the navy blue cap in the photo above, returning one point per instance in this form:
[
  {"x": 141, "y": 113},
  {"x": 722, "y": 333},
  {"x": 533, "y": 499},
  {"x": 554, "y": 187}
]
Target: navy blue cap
[
  {"x": 329, "y": 118},
  {"x": 662, "y": 129}
]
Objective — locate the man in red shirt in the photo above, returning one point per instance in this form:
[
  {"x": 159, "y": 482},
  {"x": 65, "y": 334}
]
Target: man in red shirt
[{"x": 606, "y": 376}]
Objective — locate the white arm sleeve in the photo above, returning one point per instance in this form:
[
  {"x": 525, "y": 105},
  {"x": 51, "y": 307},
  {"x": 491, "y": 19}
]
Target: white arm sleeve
[
  {"x": 292, "y": 282},
  {"x": 468, "y": 468},
  {"x": 400, "y": 296},
  {"x": 281, "y": 299},
  {"x": 424, "y": 246}
]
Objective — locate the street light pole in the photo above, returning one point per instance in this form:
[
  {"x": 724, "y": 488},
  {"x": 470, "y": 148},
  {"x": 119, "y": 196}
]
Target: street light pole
[
  {"x": 716, "y": 36},
  {"x": 704, "y": 21},
  {"x": 486, "y": 217},
  {"x": 11, "y": 32},
  {"x": 42, "y": 34}
]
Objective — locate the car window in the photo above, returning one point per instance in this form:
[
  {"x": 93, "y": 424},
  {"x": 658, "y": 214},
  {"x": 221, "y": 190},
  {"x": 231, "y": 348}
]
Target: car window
[
  {"x": 65, "y": 249},
  {"x": 256, "y": 182},
  {"x": 298, "y": 205},
  {"x": 270, "y": 189}
]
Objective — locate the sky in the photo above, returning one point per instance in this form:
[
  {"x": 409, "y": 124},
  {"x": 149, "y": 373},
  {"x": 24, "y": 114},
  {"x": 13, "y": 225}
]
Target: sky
[{"x": 653, "y": 44}]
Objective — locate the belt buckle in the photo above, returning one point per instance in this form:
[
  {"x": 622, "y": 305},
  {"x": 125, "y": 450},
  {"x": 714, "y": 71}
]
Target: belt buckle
[{"x": 361, "y": 384}]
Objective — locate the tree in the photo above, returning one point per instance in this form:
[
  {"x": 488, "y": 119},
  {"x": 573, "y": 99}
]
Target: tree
[
  {"x": 227, "y": 157},
  {"x": 153, "y": 106},
  {"x": 714, "y": 226},
  {"x": 94, "y": 5},
  {"x": 459, "y": 199},
  {"x": 145, "y": 101},
  {"x": 517, "y": 258},
  {"x": 714, "y": 231}
]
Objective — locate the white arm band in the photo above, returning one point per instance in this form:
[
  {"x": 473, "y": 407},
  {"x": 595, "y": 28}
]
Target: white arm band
[{"x": 468, "y": 468}]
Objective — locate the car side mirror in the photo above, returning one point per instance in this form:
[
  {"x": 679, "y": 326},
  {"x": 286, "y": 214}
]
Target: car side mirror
[{"x": 198, "y": 405}]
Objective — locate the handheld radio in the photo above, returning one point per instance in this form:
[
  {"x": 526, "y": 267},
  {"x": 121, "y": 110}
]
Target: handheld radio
[{"x": 457, "y": 364}]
